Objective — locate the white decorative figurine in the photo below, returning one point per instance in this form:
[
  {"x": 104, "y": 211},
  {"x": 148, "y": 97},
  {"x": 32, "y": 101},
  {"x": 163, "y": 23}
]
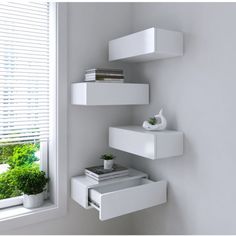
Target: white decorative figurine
[{"x": 158, "y": 122}]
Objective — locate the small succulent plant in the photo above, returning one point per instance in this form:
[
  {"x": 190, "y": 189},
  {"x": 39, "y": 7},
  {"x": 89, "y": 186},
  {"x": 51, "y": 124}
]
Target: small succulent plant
[
  {"x": 108, "y": 156},
  {"x": 152, "y": 121}
]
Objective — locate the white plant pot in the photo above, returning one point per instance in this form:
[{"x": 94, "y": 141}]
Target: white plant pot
[
  {"x": 108, "y": 164},
  {"x": 33, "y": 201}
]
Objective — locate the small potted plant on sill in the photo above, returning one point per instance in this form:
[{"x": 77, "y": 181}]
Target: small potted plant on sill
[
  {"x": 108, "y": 161},
  {"x": 32, "y": 182}
]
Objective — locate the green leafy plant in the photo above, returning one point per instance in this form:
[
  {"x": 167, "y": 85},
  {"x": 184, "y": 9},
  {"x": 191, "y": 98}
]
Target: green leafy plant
[
  {"x": 108, "y": 156},
  {"x": 152, "y": 121},
  {"x": 31, "y": 180},
  {"x": 6, "y": 151},
  {"x": 8, "y": 186},
  {"x": 23, "y": 155},
  {"x": 17, "y": 156}
]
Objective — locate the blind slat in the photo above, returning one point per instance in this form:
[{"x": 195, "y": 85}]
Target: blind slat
[
  {"x": 23, "y": 128},
  {"x": 12, "y": 19},
  {"x": 21, "y": 39},
  {"x": 22, "y": 64},
  {"x": 23, "y": 122},
  {"x": 22, "y": 49},
  {"x": 24, "y": 72},
  {"x": 25, "y": 132},
  {"x": 23, "y": 9},
  {"x": 22, "y": 15},
  {"x": 36, "y": 138},
  {"x": 30, "y": 6}
]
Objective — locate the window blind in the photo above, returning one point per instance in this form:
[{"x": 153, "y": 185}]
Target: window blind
[{"x": 24, "y": 72}]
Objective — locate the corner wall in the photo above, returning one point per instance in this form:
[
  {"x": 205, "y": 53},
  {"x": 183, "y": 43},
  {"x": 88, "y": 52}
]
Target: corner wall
[{"x": 197, "y": 92}]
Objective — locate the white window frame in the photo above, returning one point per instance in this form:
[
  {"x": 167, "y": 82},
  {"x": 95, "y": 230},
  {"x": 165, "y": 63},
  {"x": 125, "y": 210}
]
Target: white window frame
[{"x": 14, "y": 217}]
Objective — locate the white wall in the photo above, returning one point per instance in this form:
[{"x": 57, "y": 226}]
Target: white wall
[
  {"x": 197, "y": 92},
  {"x": 90, "y": 26},
  {"x": 198, "y": 95}
]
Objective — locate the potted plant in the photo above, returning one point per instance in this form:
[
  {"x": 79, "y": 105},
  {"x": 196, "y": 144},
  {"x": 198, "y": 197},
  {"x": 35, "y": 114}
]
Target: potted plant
[
  {"x": 158, "y": 122},
  {"x": 32, "y": 182},
  {"x": 108, "y": 161}
]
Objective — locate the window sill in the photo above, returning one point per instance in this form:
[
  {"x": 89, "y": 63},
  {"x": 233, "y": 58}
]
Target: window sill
[{"x": 18, "y": 216}]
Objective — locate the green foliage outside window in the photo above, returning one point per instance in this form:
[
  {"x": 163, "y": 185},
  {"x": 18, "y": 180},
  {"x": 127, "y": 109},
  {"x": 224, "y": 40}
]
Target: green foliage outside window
[
  {"x": 20, "y": 158},
  {"x": 6, "y": 152},
  {"x": 8, "y": 184},
  {"x": 23, "y": 155}
]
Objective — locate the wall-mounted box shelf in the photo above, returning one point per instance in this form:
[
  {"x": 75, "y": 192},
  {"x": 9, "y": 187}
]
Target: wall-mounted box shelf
[
  {"x": 146, "y": 45},
  {"x": 118, "y": 196},
  {"x": 92, "y": 93},
  {"x": 149, "y": 144}
]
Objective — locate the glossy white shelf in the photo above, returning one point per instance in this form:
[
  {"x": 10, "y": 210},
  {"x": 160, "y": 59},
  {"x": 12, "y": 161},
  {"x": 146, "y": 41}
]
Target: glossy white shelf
[
  {"x": 113, "y": 198},
  {"x": 92, "y": 93},
  {"x": 148, "y": 144},
  {"x": 146, "y": 45}
]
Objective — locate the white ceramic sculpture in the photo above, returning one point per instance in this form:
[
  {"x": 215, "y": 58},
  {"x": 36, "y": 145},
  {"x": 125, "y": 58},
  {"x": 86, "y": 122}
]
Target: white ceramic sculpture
[{"x": 161, "y": 122}]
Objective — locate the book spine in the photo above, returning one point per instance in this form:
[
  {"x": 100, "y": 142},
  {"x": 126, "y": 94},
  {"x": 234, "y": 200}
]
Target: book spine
[
  {"x": 105, "y": 80},
  {"x": 113, "y": 176},
  {"x": 87, "y": 172},
  {"x": 114, "y": 173},
  {"x": 115, "y": 71},
  {"x": 123, "y": 172},
  {"x": 107, "y": 177},
  {"x": 104, "y": 76}
]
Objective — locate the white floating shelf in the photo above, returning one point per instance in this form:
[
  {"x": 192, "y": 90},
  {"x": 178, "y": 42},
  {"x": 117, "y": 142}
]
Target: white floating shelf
[
  {"x": 93, "y": 93},
  {"x": 149, "y": 144},
  {"x": 146, "y": 45},
  {"x": 118, "y": 196}
]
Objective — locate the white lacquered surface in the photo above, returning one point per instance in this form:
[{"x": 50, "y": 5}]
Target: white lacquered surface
[
  {"x": 98, "y": 93},
  {"x": 138, "y": 196},
  {"x": 80, "y": 185},
  {"x": 148, "y": 144},
  {"x": 118, "y": 196},
  {"x": 146, "y": 45}
]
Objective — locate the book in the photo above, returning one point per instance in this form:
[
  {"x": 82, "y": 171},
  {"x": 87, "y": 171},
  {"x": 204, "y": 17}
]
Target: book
[
  {"x": 102, "y": 70},
  {"x": 99, "y": 173},
  {"x": 103, "y": 78},
  {"x": 107, "y": 81},
  {"x": 104, "y": 74},
  {"x": 111, "y": 75},
  {"x": 106, "y": 178},
  {"x": 94, "y": 77},
  {"x": 105, "y": 175}
]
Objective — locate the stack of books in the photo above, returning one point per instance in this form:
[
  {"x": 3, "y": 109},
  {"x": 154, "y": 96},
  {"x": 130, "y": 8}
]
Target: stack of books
[
  {"x": 98, "y": 173},
  {"x": 104, "y": 75}
]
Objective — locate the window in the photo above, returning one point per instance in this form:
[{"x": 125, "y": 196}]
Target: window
[{"x": 27, "y": 75}]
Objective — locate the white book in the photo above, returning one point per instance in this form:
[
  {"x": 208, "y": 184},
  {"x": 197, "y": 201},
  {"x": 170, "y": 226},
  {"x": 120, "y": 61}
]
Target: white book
[{"x": 108, "y": 177}]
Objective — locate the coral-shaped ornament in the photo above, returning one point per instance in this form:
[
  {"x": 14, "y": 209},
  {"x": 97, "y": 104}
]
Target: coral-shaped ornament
[{"x": 158, "y": 122}]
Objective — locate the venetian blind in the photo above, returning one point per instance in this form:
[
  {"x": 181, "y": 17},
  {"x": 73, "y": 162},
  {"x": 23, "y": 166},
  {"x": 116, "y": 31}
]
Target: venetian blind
[{"x": 24, "y": 72}]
